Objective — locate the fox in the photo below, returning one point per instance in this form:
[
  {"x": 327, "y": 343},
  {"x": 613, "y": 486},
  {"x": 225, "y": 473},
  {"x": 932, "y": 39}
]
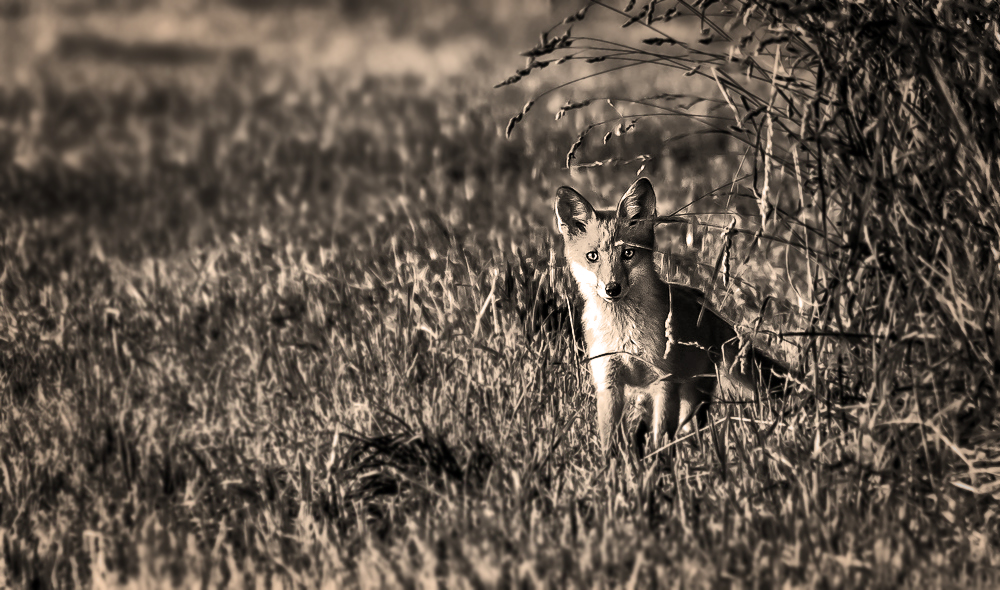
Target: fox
[{"x": 653, "y": 346}]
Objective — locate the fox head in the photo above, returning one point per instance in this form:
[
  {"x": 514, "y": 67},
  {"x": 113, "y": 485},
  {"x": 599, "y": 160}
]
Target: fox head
[{"x": 609, "y": 251}]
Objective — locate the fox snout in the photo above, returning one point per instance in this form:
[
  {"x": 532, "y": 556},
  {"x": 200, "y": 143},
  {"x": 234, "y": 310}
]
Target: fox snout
[{"x": 611, "y": 291}]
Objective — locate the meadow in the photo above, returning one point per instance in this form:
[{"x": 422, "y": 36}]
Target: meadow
[{"x": 282, "y": 305}]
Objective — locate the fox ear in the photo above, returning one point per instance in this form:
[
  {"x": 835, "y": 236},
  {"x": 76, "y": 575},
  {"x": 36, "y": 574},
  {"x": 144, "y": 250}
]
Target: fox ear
[
  {"x": 573, "y": 212},
  {"x": 638, "y": 201}
]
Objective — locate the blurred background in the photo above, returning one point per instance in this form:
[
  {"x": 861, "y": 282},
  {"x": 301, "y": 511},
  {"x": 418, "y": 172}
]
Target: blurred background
[
  {"x": 125, "y": 45},
  {"x": 147, "y": 126},
  {"x": 169, "y": 123},
  {"x": 430, "y": 39}
]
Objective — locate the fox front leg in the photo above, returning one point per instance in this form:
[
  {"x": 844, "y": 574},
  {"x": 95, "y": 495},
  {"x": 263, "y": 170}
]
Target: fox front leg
[
  {"x": 666, "y": 411},
  {"x": 610, "y": 400}
]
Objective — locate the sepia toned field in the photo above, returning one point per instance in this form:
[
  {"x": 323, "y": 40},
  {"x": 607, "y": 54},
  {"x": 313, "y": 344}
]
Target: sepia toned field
[{"x": 281, "y": 305}]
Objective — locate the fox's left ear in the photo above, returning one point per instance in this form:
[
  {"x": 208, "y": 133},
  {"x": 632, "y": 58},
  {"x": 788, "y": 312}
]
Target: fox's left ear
[{"x": 638, "y": 202}]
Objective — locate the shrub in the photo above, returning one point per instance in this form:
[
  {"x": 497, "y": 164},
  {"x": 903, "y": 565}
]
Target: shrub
[{"x": 871, "y": 135}]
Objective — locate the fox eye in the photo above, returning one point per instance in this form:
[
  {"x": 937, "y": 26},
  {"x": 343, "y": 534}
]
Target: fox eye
[
  {"x": 592, "y": 256},
  {"x": 628, "y": 253}
]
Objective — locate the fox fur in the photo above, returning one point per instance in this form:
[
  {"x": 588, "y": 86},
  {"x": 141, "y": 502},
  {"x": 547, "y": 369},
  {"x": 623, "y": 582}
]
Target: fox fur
[{"x": 647, "y": 349}]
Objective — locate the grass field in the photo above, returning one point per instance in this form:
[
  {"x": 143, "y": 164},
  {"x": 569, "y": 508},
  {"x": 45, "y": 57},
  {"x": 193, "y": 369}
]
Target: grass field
[{"x": 281, "y": 306}]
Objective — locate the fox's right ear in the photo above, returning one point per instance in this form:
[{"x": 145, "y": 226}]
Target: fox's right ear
[{"x": 573, "y": 212}]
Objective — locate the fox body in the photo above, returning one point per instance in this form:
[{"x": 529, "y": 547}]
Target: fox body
[{"x": 647, "y": 349}]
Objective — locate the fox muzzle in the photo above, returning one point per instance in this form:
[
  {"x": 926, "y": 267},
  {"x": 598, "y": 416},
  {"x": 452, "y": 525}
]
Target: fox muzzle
[{"x": 612, "y": 291}]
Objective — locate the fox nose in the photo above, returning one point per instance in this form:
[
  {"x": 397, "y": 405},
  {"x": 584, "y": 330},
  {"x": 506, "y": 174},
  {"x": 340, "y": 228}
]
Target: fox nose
[{"x": 613, "y": 290}]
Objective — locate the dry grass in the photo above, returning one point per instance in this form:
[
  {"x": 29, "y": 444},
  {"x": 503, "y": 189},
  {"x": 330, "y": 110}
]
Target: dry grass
[
  {"x": 264, "y": 329},
  {"x": 869, "y": 137}
]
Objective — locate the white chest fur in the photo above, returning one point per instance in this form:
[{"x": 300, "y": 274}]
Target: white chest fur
[{"x": 624, "y": 327}]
